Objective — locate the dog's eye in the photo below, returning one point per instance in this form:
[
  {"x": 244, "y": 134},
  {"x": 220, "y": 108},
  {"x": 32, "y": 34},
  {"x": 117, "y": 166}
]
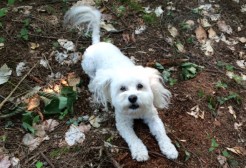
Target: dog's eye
[
  {"x": 123, "y": 88},
  {"x": 139, "y": 86}
]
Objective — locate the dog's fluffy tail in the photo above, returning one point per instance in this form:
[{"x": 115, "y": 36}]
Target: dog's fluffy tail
[{"x": 79, "y": 15}]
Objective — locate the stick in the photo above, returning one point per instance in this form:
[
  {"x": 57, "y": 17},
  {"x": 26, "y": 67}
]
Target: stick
[
  {"x": 47, "y": 160},
  {"x": 6, "y": 99},
  {"x": 167, "y": 62}
]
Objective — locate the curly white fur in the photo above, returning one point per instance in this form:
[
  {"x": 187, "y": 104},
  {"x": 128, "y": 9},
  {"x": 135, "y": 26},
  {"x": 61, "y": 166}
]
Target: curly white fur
[{"x": 134, "y": 91}]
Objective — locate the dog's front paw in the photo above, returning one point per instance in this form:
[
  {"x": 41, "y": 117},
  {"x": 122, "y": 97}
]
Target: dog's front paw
[
  {"x": 140, "y": 153},
  {"x": 170, "y": 151}
]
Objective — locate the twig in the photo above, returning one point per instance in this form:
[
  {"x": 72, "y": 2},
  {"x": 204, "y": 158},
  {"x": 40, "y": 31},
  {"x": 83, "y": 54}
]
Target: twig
[
  {"x": 7, "y": 98},
  {"x": 47, "y": 159}
]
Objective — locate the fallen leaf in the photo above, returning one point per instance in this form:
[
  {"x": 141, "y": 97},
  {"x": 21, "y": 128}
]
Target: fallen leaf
[
  {"x": 238, "y": 150},
  {"x": 222, "y": 160},
  {"x": 33, "y": 46},
  {"x": 180, "y": 47},
  {"x": 237, "y": 126},
  {"x": 68, "y": 45},
  {"x": 39, "y": 130},
  {"x": 243, "y": 8},
  {"x": 204, "y": 22},
  {"x": 201, "y": 34},
  {"x": 4, "y": 161},
  {"x": 196, "y": 112},
  {"x": 1, "y": 46},
  {"x": 158, "y": 11},
  {"x": 85, "y": 2},
  {"x": 73, "y": 80},
  {"x": 173, "y": 31},
  {"x": 207, "y": 48},
  {"x": 107, "y": 27},
  {"x": 241, "y": 64},
  {"x": 95, "y": 121},
  {"x": 74, "y": 135},
  {"x": 52, "y": 19},
  {"x": 75, "y": 57},
  {"x": 50, "y": 124},
  {"x": 15, "y": 162},
  {"x": 20, "y": 68},
  {"x": 126, "y": 37},
  {"x": 232, "y": 111},
  {"x": 231, "y": 41},
  {"x": 212, "y": 34},
  {"x": 224, "y": 27},
  {"x": 84, "y": 128},
  {"x": 147, "y": 9},
  {"x": 140, "y": 29},
  {"x": 5, "y": 73},
  {"x": 60, "y": 57},
  {"x": 214, "y": 17},
  {"x": 32, "y": 142},
  {"x": 33, "y": 103},
  {"x": 44, "y": 63},
  {"x": 190, "y": 23},
  {"x": 242, "y": 39}
]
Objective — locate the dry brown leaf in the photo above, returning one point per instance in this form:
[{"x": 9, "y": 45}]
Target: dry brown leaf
[
  {"x": 84, "y": 128},
  {"x": 207, "y": 48},
  {"x": 205, "y": 23},
  {"x": 238, "y": 150},
  {"x": 126, "y": 37},
  {"x": 73, "y": 80},
  {"x": 212, "y": 34},
  {"x": 33, "y": 103},
  {"x": 180, "y": 47},
  {"x": 201, "y": 34},
  {"x": 33, "y": 46},
  {"x": 224, "y": 27},
  {"x": 50, "y": 124},
  {"x": 4, "y": 161},
  {"x": 173, "y": 31},
  {"x": 232, "y": 111},
  {"x": 222, "y": 160}
]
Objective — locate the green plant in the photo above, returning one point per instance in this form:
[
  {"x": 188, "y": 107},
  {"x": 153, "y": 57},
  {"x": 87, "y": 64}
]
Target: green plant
[
  {"x": 231, "y": 96},
  {"x": 11, "y": 2},
  {"x": 28, "y": 119},
  {"x": 221, "y": 85},
  {"x": 39, "y": 164},
  {"x": 59, "y": 152},
  {"x": 222, "y": 64},
  {"x": 212, "y": 105},
  {"x": 214, "y": 145},
  {"x": 166, "y": 74},
  {"x": 190, "y": 40},
  {"x": 184, "y": 26},
  {"x": 190, "y": 70},
  {"x": 120, "y": 10},
  {"x": 149, "y": 18},
  {"x": 3, "y": 11},
  {"x": 24, "y": 33},
  {"x": 201, "y": 93},
  {"x": 187, "y": 155},
  {"x": 61, "y": 104},
  {"x": 2, "y": 40}
]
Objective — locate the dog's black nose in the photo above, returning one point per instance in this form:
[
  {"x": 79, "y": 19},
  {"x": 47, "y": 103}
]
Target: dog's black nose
[{"x": 132, "y": 98}]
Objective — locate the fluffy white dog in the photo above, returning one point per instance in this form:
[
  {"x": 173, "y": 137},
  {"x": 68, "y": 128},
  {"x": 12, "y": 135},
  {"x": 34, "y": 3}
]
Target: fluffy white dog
[{"x": 134, "y": 91}]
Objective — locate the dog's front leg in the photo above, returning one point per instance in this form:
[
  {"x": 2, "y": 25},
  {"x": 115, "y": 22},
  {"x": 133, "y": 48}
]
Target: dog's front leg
[
  {"x": 137, "y": 148},
  {"x": 157, "y": 129}
]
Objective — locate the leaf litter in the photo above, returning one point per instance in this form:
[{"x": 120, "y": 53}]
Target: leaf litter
[{"x": 5, "y": 73}]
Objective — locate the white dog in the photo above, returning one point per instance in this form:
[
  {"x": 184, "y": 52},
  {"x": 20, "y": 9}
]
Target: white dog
[{"x": 134, "y": 91}]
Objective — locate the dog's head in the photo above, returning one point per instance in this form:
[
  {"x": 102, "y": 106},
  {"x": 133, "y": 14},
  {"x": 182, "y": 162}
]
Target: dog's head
[{"x": 130, "y": 90}]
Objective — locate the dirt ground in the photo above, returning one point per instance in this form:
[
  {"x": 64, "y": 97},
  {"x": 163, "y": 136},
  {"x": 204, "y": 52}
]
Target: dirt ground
[{"x": 192, "y": 136}]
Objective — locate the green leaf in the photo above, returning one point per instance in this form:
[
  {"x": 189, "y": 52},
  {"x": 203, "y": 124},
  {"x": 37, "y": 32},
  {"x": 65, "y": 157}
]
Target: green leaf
[
  {"x": 71, "y": 95},
  {"x": 2, "y": 40},
  {"x": 27, "y": 118},
  {"x": 28, "y": 127},
  {"x": 3, "y": 11},
  {"x": 36, "y": 119},
  {"x": 226, "y": 153},
  {"x": 214, "y": 145},
  {"x": 211, "y": 149},
  {"x": 24, "y": 33},
  {"x": 187, "y": 155},
  {"x": 39, "y": 164},
  {"x": 159, "y": 66},
  {"x": 11, "y": 2},
  {"x": 26, "y": 22},
  {"x": 52, "y": 107}
]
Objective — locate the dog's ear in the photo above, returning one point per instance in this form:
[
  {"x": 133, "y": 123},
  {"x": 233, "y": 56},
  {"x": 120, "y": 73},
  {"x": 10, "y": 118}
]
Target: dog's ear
[
  {"x": 100, "y": 87},
  {"x": 161, "y": 94}
]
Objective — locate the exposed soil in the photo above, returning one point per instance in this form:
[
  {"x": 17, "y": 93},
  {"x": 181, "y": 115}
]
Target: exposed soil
[{"x": 192, "y": 136}]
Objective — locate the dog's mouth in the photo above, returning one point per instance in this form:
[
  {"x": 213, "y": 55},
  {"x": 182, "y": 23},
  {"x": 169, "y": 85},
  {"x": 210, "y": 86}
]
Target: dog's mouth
[{"x": 134, "y": 106}]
